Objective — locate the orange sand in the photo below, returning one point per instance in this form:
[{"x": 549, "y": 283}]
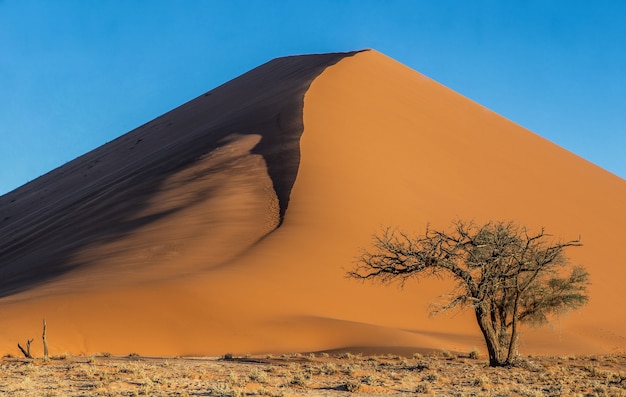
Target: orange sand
[{"x": 382, "y": 145}]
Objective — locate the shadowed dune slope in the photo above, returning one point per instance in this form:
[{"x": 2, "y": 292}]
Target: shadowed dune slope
[
  {"x": 191, "y": 262},
  {"x": 228, "y": 158}
]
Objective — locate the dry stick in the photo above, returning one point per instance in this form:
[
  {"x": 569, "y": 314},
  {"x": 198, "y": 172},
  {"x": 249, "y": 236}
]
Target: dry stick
[
  {"x": 45, "y": 342},
  {"x": 26, "y": 352}
]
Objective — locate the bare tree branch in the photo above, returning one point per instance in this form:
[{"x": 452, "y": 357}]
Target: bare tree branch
[{"x": 507, "y": 274}]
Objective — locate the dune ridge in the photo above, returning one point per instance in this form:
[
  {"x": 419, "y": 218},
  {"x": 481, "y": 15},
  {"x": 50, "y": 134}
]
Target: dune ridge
[{"x": 201, "y": 267}]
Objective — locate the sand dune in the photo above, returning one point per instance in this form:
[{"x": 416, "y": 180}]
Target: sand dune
[{"x": 227, "y": 225}]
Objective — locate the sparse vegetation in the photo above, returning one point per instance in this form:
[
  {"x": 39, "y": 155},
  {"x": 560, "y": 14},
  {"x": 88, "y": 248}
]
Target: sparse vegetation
[
  {"x": 352, "y": 386},
  {"x": 257, "y": 375},
  {"x": 430, "y": 374},
  {"x": 298, "y": 380},
  {"x": 506, "y": 274}
]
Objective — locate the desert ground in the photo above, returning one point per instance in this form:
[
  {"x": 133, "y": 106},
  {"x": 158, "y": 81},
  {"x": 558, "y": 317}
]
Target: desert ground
[
  {"x": 229, "y": 223},
  {"x": 315, "y": 374}
]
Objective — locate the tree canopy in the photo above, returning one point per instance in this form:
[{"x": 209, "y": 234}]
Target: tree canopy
[{"x": 505, "y": 273}]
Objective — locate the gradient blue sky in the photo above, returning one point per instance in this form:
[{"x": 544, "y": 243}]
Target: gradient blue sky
[{"x": 76, "y": 74}]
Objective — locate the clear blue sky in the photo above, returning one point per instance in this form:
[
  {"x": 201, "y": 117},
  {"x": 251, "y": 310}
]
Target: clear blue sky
[{"x": 76, "y": 74}]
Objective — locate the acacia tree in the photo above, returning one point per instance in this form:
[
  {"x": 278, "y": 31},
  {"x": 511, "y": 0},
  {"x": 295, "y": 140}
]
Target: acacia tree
[{"x": 505, "y": 274}]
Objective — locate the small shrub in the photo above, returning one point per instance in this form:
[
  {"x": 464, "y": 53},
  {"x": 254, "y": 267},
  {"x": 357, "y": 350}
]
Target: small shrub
[
  {"x": 420, "y": 366},
  {"x": 234, "y": 380},
  {"x": 329, "y": 369},
  {"x": 347, "y": 369},
  {"x": 474, "y": 354},
  {"x": 257, "y": 375},
  {"x": 265, "y": 392},
  {"x": 481, "y": 381},
  {"x": 352, "y": 386},
  {"x": 431, "y": 377},
  {"x": 367, "y": 380},
  {"x": 221, "y": 389},
  {"x": 422, "y": 388},
  {"x": 298, "y": 380},
  {"x": 528, "y": 364},
  {"x": 600, "y": 389}
]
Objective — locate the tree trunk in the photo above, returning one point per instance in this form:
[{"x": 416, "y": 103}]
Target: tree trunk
[
  {"x": 513, "y": 351},
  {"x": 512, "y": 354},
  {"x": 491, "y": 338}
]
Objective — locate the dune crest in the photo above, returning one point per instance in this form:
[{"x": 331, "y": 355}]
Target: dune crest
[{"x": 236, "y": 235}]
